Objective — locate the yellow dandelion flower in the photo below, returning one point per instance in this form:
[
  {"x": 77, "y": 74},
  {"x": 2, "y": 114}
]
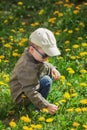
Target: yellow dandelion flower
[
  {"x": 60, "y": 2},
  {"x": 83, "y": 53},
  {"x": 33, "y": 126},
  {"x": 20, "y": 3},
  {"x": 21, "y": 30},
  {"x": 84, "y": 44},
  {"x": 1, "y": 83},
  {"x": 6, "y": 21},
  {"x": 10, "y": 37},
  {"x": 10, "y": 17},
  {"x": 75, "y": 11},
  {"x": 12, "y": 124},
  {"x": 77, "y": 57},
  {"x": 41, "y": 12},
  {"x": 7, "y": 78},
  {"x": 85, "y": 3},
  {"x": 56, "y": 103},
  {"x": 70, "y": 109},
  {"x": 67, "y": 42},
  {"x": 35, "y": 24},
  {"x": 83, "y": 71},
  {"x": 60, "y": 14},
  {"x": 23, "y": 23},
  {"x": 25, "y": 119},
  {"x": 63, "y": 100},
  {"x": 76, "y": 124},
  {"x": 69, "y": 84},
  {"x": 24, "y": 40},
  {"x": 70, "y": 31},
  {"x": 62, "y": 79},
  {"x": 2, "y": 39},
  {"x": 82, "y": 24},
  {"x": 12, "y": 30},
  {"x": 61, "y": 58},
  {"x": 38, "y": 126},
  {"x": 78, "y": 109},
  {"x": 84, "y": 109},
  {"x": 65, "y": 30},
  {"x": 68, "y": 5},
  {"x": 85, "y": 126},
  {"x": 83, "y": 101},
  {"x": 68, "y": 49},
  {"x": 2, "y": 57},
  {"x": 77, "y": 29},
  {"x": 83, "y": 84},
  {"x": 78, "y": 7},
  {"x": 56, "y": 12},
  {"x": 8, "y": 46},
  {"x": 66, "y": 95},
  {"x": 49, "y": 120},
  {"x": 25, "y": 127},
  {"x": 15, "y": 54},
  {"x": 45, "y": 110},
  {"x": 70, "y": 70},
  {"x": 79, "y": 38},
  {"x": 15, "y": 40},
  {"x": 72, "y": 90},
  {"x": 58, "y": 32},
  {"x": 41, "y": 119},
  {"x": 21, "y": 44},
  {"x": 6, "y": 61},
  {"x": 75, "y": 46},
  {"x": 52, "y": 20},
  {"x": 73, "y": 57},
  {"x": 73, "y": 95}
]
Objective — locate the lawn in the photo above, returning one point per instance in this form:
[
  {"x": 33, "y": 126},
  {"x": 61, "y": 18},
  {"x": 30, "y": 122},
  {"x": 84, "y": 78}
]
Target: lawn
[{"x": 68, "y": 21}]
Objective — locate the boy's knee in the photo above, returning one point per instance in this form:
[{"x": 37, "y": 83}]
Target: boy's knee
[{"x": 46, "y": 80}]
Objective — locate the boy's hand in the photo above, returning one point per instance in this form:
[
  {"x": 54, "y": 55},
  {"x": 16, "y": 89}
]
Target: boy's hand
[
  {"x": 52, "y": 108},
  {"x": 55, "y": 74}
]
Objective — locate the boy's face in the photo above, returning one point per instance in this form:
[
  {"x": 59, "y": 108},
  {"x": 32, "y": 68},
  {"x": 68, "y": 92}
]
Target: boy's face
[{"x": 38, "y": 54}]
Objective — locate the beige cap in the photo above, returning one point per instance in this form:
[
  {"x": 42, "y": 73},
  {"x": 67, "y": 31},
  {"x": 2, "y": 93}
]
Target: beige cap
[{"x": 45, "y": 39}]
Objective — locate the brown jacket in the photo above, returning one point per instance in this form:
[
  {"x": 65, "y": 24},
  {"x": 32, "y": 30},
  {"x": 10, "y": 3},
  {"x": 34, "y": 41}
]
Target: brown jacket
[{"x": 25, "y": 79}]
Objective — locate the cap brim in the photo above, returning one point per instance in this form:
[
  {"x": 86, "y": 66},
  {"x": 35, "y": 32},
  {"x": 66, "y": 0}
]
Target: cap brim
[{"x": 52, "y": 51}]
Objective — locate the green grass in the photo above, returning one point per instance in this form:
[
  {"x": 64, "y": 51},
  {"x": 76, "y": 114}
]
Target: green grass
[{"x": 68, "y": 22}]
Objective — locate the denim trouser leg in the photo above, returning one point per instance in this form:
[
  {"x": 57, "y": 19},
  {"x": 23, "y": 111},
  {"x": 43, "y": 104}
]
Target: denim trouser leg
[{"x": 45, "y": 85}]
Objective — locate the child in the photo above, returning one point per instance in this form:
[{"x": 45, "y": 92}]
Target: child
[{"x": 32, "y": 76}]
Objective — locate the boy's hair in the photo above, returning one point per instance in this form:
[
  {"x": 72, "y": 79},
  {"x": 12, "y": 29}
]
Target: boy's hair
[{"x": 32, "y": 44}]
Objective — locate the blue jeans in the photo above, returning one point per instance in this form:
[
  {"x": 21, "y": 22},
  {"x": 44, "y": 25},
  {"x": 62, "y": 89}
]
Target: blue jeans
[{"x": 45, "y": 85}]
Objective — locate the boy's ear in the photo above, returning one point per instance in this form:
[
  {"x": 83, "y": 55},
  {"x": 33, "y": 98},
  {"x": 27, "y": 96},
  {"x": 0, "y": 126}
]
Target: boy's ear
[{"x": 31, "y": 49}]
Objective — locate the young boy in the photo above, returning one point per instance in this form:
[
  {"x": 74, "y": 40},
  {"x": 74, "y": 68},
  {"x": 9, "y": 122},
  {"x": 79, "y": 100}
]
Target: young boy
[{"x": 32, "y": 76}]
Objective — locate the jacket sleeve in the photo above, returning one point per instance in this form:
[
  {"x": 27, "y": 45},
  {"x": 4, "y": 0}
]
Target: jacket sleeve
[
  {"x": 29, "y": 80},
  {"x": 36, "y": 98},
  {"x": 46, "y": 69}
]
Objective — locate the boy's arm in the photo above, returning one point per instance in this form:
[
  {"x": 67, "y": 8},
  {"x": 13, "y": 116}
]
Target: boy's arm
[
  {"x": 40, "y": 102},
  {"x": 35, "y": 97},
  {"x": 52, "y": 71}
]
